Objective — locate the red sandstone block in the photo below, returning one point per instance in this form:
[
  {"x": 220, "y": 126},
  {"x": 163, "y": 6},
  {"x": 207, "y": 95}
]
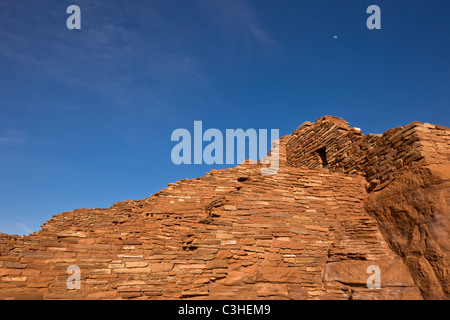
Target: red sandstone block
[
  {"x": 121, "y": 288},
  {"x": 100, "y": 271},
  {"x": 10, "y": 259},
  {"x": 273, "y": 290},
  {"x": 72, "y": 233},
  {"x": 203, "y": 257},
  {"x": 22, "y": 296},
  {"x": 145, "y": 270},
  {"x": 132, "y": 242},
  {"x": 98, "y": 265},
  {"x": 31, "y": 272},
  {"x": 102, "y": 295},
  {"x": 130, "y": 295},
  {"x": 280, "y": 274},
  {"x": 62, "y": 254},
  {"x": 5, "y": 272},
  {"x": 37, "y": 254},
  {"x": 161, "y": 267},
  {"x": 68, "y": 241},
  {"x": 213, "y": 241},
  {"x": 50, "y": 243},
  {"x": 153, "y": 293},
  {"x": 64, "y": 296},
  {"x": 216, "y": 264},
  {"x": 16, "y": 278},
  {"x": 316, "y": 228},
  {"x": 206, "y": 251},
  {"x": 136, "y": 264},
  {"x": 15, "y": 265},
  {"x": 39, "y": 284},
  {"x": 290, "y": 244},
  {"x": 299, "y": 231},
  {"x": 224, "y": 254}
]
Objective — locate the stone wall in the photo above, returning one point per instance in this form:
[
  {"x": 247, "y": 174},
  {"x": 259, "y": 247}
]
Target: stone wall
[
  {"x": 231, "y": 234},
  {"x": 375, "y": 156},
  {"x": 308, "y": 232}
]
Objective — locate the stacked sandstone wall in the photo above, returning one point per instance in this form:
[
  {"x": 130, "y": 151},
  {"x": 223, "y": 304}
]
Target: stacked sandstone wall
[
  {"x": 377, "y": 157},
  {"x": 302, "y": 233}
]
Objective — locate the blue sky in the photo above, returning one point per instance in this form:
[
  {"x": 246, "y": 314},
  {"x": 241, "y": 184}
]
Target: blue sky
[{"x": 86, "y": 115}]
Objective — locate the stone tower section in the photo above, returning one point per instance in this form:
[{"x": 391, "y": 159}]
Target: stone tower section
[{"x": 331, "y": 143}]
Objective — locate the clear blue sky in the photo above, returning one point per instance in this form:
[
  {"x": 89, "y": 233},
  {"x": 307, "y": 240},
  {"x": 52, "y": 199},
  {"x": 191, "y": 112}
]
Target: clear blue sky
[{"x": 86, "y": 115}]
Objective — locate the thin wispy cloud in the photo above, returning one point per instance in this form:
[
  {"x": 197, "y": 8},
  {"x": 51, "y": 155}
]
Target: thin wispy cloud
[
  {"x": 26, "y": 230},
  {"x": 108, "y": 56},
  {"x": 13, "y": 138},
  {"x": 238, "y": 23},
  {"x": 126, "y": 63}
]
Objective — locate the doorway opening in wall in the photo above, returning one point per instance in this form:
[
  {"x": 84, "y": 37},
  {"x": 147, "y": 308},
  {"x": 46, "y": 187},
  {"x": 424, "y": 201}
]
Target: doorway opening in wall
[{"x": 322, "y": 152}]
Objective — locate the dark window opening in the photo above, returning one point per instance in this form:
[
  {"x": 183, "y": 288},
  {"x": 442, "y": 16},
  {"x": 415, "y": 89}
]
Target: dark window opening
[{"x": 323, "y": 157}]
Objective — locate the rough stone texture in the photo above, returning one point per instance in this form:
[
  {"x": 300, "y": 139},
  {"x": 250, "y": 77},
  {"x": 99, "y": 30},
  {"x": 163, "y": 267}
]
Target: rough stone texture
[
  {"x": 412, "y": 213},
  {"x": 377, "y": 157},
  {"x": 340, "y": 202}
]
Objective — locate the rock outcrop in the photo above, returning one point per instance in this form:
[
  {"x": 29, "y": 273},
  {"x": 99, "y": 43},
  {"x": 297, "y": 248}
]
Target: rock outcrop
[{"x": 341, "y": 204}]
